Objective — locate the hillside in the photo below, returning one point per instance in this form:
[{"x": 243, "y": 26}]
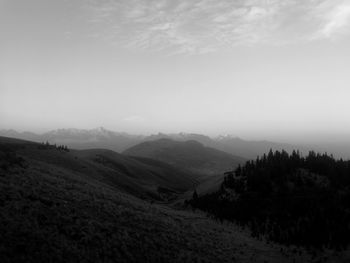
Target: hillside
[
  {"x": 189, "y": 155},
  {"x": 287, "y": 198},
  {"x": 50, "y": 211},
  {"x": 140, "y": 178}
]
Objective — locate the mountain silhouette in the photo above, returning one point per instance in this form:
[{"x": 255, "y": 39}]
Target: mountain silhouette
[
  {"x": 190, "y": 155},
  {"x": 121, "y": 141}
]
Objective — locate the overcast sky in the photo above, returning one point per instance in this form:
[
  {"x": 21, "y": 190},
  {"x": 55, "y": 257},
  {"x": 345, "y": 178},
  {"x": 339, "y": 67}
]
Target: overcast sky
[{"x": 258, "y": 69}]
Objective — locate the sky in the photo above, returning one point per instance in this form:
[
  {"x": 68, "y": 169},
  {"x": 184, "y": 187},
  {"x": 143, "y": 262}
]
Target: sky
[{"x": 257, "y": 69}]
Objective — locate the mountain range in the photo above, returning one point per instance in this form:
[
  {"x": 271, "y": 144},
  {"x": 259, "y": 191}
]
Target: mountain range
[
  {"x": 65, "y": 205},
  {"x": 120, "y": 141}
]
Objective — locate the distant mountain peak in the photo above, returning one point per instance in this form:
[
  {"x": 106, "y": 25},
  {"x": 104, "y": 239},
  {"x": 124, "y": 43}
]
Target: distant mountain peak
[
  {"x": 100, "y": 129},
  {"x": 227, "y": 137}
]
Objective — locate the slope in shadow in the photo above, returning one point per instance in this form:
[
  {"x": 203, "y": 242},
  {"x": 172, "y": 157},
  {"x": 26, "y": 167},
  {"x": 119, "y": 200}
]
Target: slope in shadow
[{"x": 189, "y": 155}]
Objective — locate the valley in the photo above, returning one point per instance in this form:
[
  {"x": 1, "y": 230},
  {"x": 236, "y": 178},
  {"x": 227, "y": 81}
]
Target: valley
[{"x": 100, "y": 206}]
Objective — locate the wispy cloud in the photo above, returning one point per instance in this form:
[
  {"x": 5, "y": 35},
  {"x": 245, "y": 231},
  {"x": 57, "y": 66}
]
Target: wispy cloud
[
  {"x": 202, "y": 26},
  {"x": 335, "y": 18}
]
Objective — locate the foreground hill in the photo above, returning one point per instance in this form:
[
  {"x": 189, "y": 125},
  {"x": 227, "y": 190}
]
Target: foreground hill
[
  {"x": 52, "y": 212},
  {"x": 146, "y": 179},
  {"x": 288, "y": 198},
  {"x": 189, "y": 155}
]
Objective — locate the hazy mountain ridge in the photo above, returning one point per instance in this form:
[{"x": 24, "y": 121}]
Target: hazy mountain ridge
[
  {"x": 228, "y": 143},
  {"x": 120, "y": 141},
  {"x": 81, "y": 138},
  {"x": 249, "y": 149},
  {"x": 190, "y": 155}
]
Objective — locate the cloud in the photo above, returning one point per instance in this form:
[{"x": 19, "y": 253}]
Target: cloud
[
  {"x": 204, "y": 26},
  {"x": 336, "y": 19}
]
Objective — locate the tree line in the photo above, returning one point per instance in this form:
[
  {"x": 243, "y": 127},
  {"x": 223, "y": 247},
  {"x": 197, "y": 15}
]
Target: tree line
[
  {"x": 287, "y": 198},
  {"x": 47, "y": 146}
]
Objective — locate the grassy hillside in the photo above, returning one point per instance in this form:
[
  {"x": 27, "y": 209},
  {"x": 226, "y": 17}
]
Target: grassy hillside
[
  {"x": 139, "y": 178},
  {"x": 51, "y": 211},
  {"x": 189, "y": 155}
]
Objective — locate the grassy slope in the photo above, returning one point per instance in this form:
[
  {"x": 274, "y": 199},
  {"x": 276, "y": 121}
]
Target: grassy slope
[
  {"x": 48, "y": 216},
  {"x": 140, "y": 178},
  {"x": 49, "y": 212},
  {"x": 147, "y": 173}
]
